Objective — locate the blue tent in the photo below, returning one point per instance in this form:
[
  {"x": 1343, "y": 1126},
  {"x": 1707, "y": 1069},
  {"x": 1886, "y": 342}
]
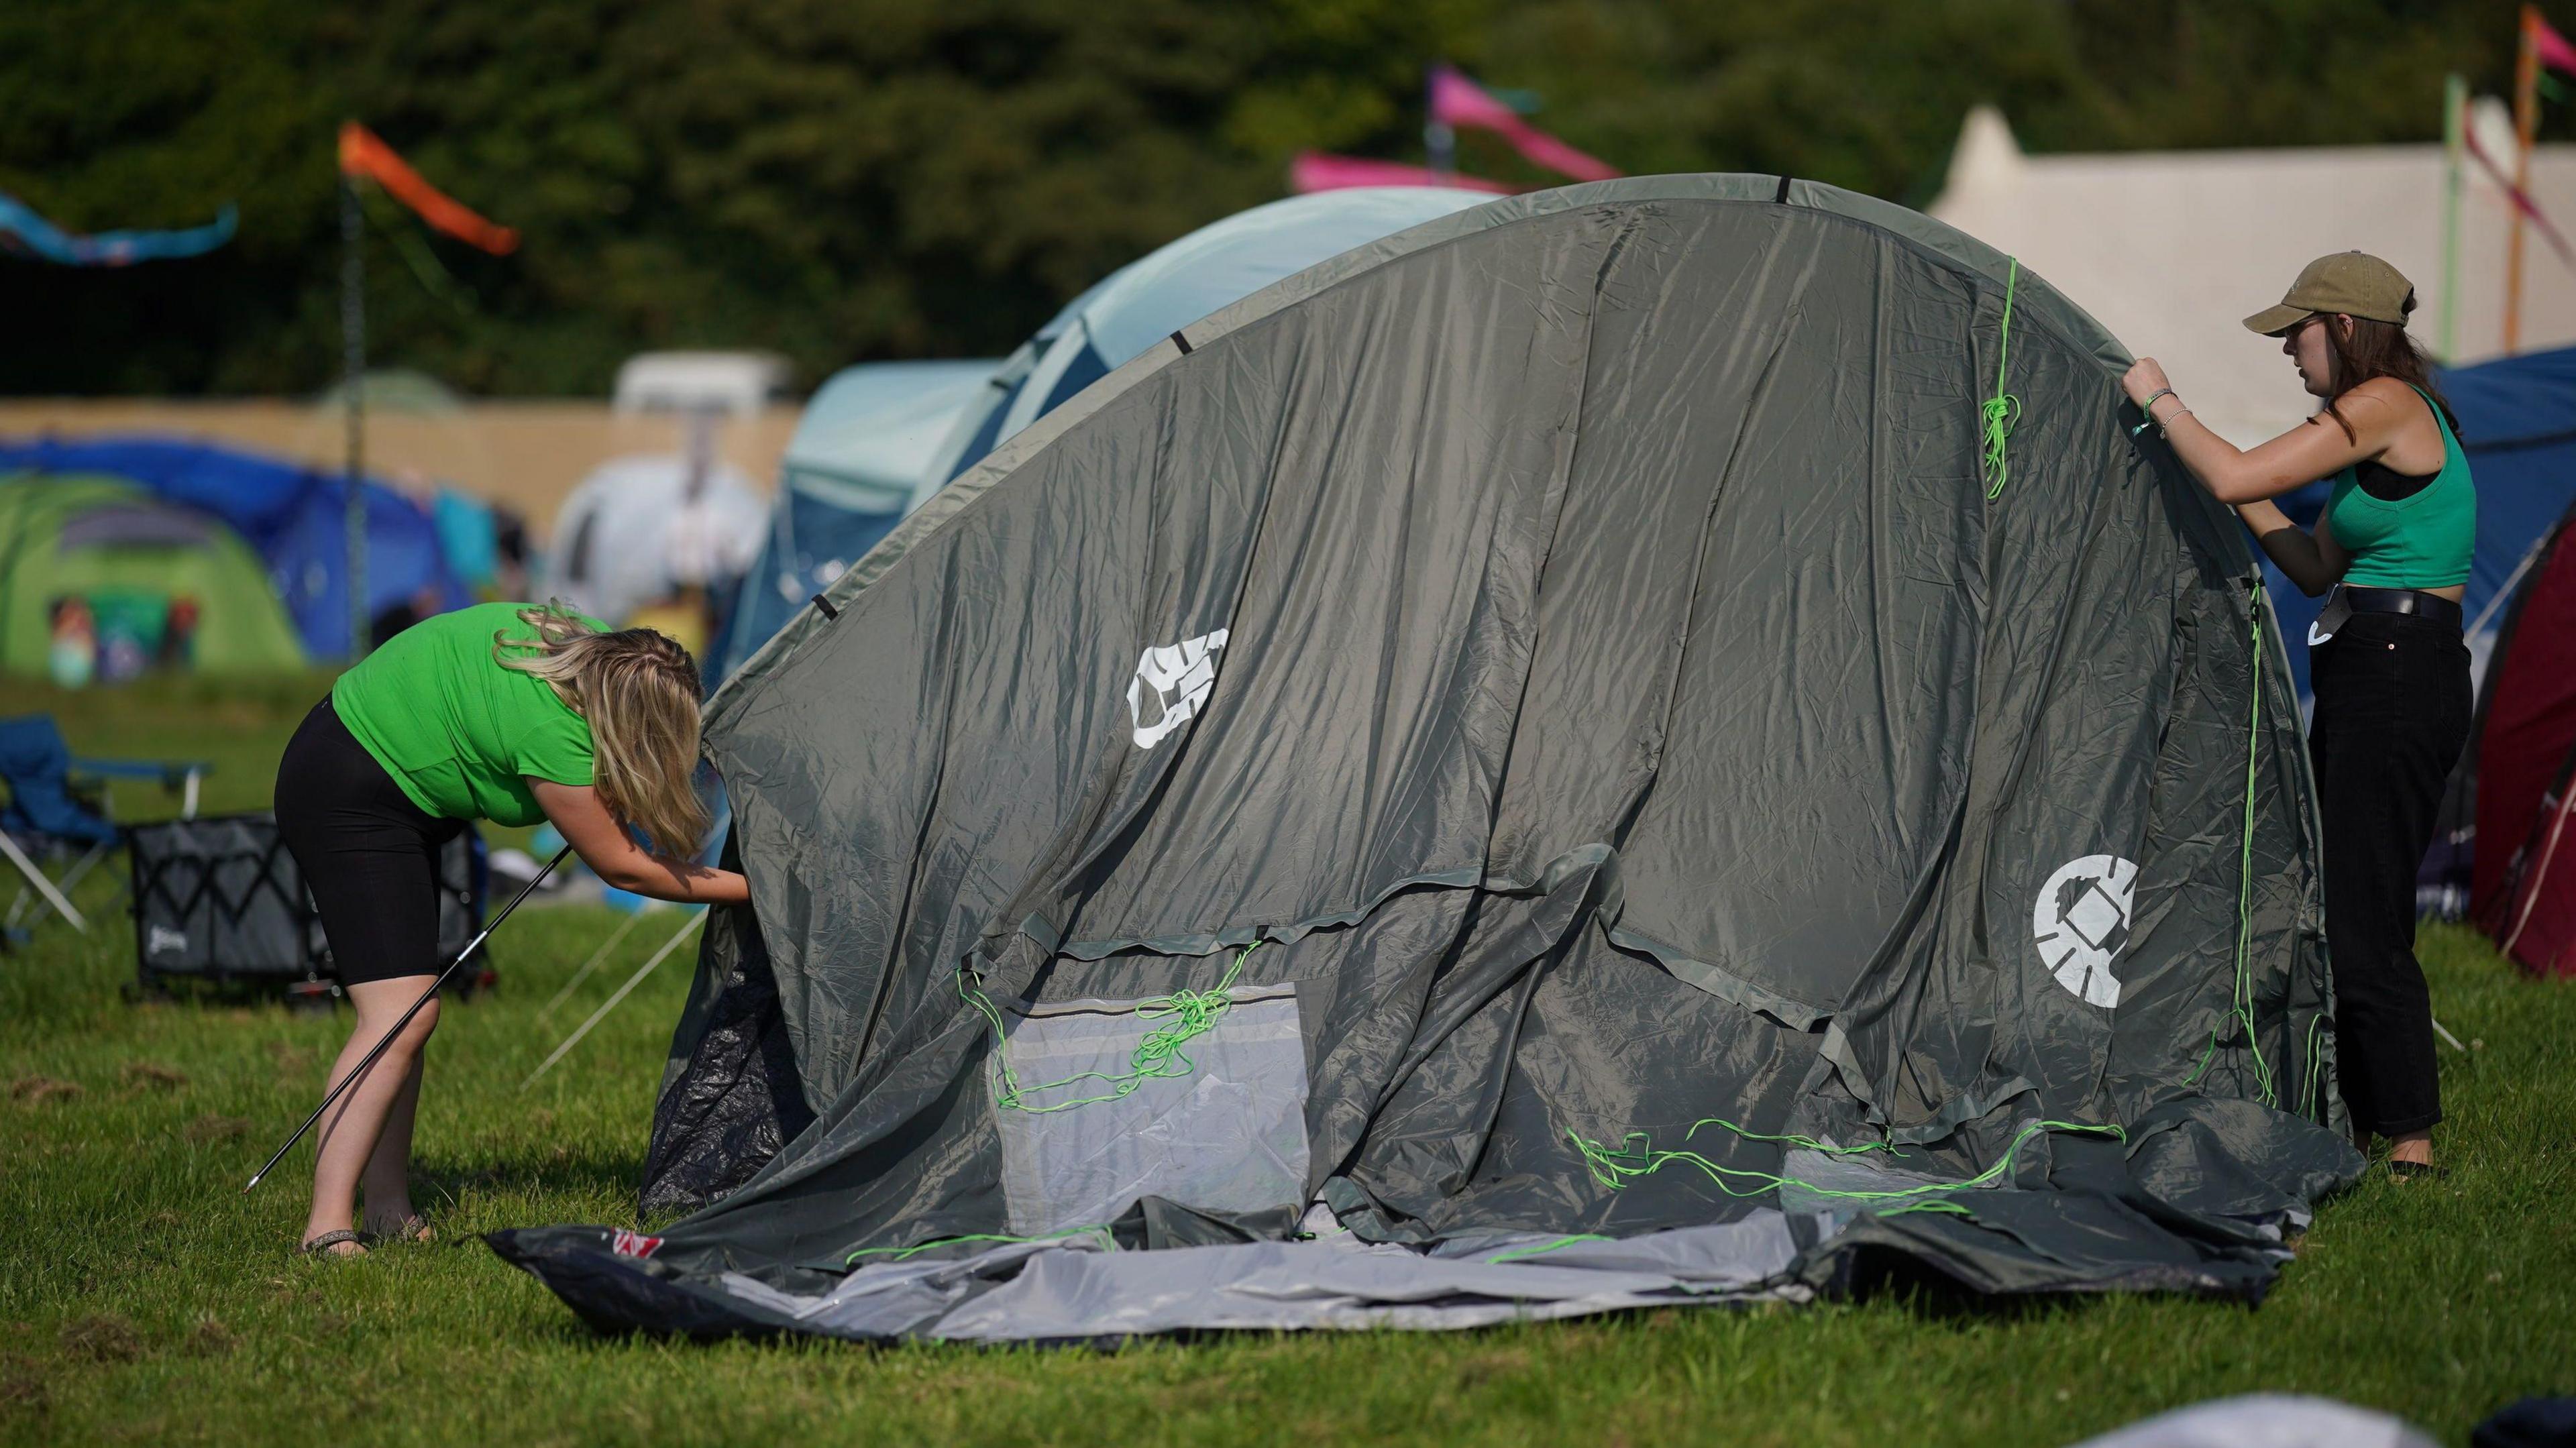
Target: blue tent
[
  {"x": 2518, "y": 427},
  {"x": 850, "y": 474},
  {"x": 1141, "y": 304},
  {"x": 295, "y": 516}
]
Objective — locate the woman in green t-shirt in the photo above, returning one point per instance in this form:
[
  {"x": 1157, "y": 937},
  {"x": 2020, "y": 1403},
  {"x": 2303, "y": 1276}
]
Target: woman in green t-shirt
[{"x": 506, "y": 712}]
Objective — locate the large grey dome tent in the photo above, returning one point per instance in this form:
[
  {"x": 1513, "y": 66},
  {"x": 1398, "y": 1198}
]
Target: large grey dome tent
[{"x": 1528, "y": 769}]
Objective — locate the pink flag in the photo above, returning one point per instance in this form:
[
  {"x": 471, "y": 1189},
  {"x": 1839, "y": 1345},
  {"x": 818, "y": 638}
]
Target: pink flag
[
  {"x": 2554, "y": 49},
  {"x": 2522, "y": 202},
  {"x": 1458, "y": 101},
  {"x": 1316, "y": 171}
]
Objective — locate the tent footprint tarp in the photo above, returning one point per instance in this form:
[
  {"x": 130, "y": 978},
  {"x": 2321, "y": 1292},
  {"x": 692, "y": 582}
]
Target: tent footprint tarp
[{"x": 1516, "y": 772}]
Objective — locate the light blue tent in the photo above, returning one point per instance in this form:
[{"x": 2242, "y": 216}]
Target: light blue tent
[
  {"x": 851, "y": 472},
  {"x": 1209, "y": 269},
  {"x": 871, "y": 447}
]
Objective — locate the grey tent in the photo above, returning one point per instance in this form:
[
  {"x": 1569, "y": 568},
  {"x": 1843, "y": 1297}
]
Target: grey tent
[{"x": 1530, "y": 768}]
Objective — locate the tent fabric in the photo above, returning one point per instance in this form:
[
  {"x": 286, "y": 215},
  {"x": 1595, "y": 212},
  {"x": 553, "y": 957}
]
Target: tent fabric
[
  {"x": 851, "y": 472},
  {"x": 631, "y": 534},
  {"x": 2523, "y": 879},
  {"x": 67, "y": 535},
  {"x": 1562, "y": 662},
  {"x": 295, "y": 516},
  {"x": 2518, "y": 430},
  {"x": 1146, "y": 301}
]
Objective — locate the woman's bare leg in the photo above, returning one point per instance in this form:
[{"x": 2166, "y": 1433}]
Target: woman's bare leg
[
  {"x": 2414, "y": 1146},
  {"x": 351, "y": 1131},
  {"x": 385, "y": 1185}
]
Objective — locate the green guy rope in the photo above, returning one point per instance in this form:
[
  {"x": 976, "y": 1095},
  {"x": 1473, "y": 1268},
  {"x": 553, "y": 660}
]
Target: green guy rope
[
  {"x": 2003, "y": 409},
  {"x": 1159, "y": 1056},
  {"x": 900, "y": 1254},
  {"x": 2241, "y": 991},
  {"x": 1636, "y": 1158},
  {"x": 1931, "y": 1204},
  {"x": 2244, "y": 990},
  {"x": 1536, "y": 1249}
]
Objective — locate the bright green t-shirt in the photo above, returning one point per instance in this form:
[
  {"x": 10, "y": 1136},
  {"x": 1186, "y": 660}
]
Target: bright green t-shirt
[{"x": 455, "y": 729}]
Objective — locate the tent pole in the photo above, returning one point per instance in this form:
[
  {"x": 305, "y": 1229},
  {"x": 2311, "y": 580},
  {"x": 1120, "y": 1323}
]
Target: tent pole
[
  {"x": 2526, "y": 126},
  {"x": 1439, "y": 141},
  {"x": 353, "y": 358},
  {"x": 2455, "y": 106},
  {"x": 367, "y": 1062},
  {"x": 696, "y": 919}
]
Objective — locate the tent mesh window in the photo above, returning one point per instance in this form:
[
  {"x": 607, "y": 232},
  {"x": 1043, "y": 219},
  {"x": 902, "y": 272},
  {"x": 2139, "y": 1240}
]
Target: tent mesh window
[{"x": 1221, "y": 1125}]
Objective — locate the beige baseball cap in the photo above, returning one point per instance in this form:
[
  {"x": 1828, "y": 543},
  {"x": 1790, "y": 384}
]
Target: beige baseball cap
[{"x": 2354, "y": 283}]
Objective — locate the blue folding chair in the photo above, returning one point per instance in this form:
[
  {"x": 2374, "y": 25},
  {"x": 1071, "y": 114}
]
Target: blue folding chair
[{"x": 56, "y": 809}]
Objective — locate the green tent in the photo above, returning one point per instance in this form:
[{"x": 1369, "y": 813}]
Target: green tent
[{"x": 123, "y": 550}]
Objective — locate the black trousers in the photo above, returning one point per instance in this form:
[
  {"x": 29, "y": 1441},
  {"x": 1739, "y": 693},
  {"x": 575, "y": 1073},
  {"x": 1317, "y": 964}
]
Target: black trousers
[
  {"x": 369, "y": 855},
  {"x": 2393, "y": 703}
]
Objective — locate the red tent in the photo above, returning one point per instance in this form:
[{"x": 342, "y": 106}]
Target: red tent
[{"x": 2523, "y": 889}]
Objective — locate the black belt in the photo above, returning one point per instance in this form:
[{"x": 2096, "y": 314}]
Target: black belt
[{"x": 2432, "y": 607}]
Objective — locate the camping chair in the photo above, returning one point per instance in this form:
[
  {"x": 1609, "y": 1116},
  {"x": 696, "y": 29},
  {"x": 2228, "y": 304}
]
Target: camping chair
[{"x": 57, "y": 809}]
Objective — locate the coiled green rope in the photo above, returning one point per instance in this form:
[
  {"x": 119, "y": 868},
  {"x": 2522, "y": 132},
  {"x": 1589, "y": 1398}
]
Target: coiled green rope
[
  {"x": 2003, "y": 409},
  {"x": 1159, "y": 1056}
]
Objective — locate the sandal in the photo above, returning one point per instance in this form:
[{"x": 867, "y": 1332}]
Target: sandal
[
  {"x": 410, "y": 1230},
  {"x": 321, "y": 1246},
  {"x": 2407, "y": 1171}
]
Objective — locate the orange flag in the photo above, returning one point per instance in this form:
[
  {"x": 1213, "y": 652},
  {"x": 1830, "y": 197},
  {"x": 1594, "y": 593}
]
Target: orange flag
[{"x": 364, "y": 154}]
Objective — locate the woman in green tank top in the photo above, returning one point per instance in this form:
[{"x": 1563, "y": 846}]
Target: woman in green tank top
[{"x": 2390, "y": 671}]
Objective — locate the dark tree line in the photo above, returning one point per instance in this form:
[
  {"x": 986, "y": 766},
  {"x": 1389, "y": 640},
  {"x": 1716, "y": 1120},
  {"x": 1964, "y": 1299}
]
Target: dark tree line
[{"x": 849, "y": 179}]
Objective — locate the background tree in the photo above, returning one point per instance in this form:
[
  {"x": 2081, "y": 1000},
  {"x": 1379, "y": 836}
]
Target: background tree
[{"x": 889, "y": 178}]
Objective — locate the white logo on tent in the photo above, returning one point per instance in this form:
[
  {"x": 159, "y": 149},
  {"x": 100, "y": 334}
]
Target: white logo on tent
[
  {"x": 163, "y": 939},
  {"x": 1176, "y": 681},
  {"x": 2081, "y": 920}
]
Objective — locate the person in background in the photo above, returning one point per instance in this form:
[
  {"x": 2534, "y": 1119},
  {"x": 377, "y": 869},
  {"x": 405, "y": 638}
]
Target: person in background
[
  {"x": 507, "y": 712},
  {"x": 2390, "y": 670}
]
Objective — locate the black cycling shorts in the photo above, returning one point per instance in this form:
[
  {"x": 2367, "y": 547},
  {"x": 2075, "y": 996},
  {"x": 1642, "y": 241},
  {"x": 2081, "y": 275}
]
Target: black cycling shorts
[{"x": 369, "y": 855}]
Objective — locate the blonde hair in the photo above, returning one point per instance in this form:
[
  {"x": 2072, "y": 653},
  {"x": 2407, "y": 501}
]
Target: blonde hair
[{"x": 639, "y": 692}]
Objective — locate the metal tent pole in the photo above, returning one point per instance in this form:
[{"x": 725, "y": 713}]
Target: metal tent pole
[{"x": 359, "y": 1072}]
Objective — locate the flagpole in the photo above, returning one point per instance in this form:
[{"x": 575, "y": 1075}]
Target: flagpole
[
  {"x": 2455, "y": 107},
  {"x": 2526, "y": 126},
  {"x": 353, "y": 359},
  {"x": 1439, "y": 139}
]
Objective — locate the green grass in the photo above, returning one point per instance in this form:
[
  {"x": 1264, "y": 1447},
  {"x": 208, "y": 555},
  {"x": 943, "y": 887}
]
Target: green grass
[{"x": 144, "y": 1299}]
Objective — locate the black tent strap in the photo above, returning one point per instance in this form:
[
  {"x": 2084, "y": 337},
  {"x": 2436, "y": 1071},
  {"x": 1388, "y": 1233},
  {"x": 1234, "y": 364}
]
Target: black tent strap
[{"x": 1781, "y": 196}]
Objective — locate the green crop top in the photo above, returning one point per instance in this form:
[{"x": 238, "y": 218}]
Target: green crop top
[{"x": 2422, "y": 540}]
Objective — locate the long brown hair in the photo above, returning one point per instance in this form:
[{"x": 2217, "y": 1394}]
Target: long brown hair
[
  {"x": 639, "y": 692},
  {"x": 2376, "y": 349}
]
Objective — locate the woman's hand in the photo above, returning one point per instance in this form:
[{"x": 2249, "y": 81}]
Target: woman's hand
[
  {"x": 2144, "y": 379},
  {"x": 613, "y": 855}
]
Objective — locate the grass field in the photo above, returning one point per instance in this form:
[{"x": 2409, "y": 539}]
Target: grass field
[{"x": 144, "y": 1299}]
